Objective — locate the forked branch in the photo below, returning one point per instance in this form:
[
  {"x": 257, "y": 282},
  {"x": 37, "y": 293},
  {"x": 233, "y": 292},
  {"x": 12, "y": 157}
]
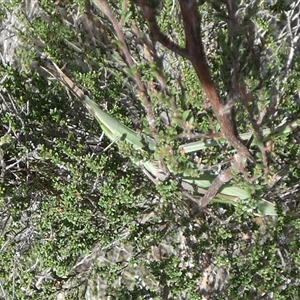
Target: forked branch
[{"x": 194, "y": 51}]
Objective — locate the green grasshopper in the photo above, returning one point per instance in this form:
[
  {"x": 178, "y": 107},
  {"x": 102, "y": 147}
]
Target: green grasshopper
[{"x": 117, "y": 131}]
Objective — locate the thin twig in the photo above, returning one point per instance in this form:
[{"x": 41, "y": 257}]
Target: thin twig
[
  {"x": 149, "y": 15},
  {"x": 103, "y": 5},
  {"x": 223, "y": 177}
]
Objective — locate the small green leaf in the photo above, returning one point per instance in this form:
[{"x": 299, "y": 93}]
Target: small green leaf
[
  {"x": 177, "y": 121},
  {"x": 185, "y": 115},
  {"x": 191, "y": 120}
]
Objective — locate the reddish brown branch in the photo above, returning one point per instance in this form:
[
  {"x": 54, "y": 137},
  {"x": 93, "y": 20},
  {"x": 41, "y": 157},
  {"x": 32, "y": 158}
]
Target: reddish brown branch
[
  {"x": 217, "y": 183},
  {"x": 165, "y": 41},
  {"x": 194, "y": 44},
  {"x": 149, "y": 14},
  {"x": 194, "y": 51}
]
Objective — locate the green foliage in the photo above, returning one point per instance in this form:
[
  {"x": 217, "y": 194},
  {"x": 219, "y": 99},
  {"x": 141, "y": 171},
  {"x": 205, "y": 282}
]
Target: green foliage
[{"x": 79, "y": 220}]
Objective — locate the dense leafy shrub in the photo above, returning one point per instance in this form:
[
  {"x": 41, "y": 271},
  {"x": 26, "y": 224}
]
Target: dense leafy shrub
[{"x": 78, "y": 219}]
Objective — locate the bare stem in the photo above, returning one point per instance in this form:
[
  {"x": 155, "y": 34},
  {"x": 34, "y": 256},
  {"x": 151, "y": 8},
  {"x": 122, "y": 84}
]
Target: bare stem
[{"x": 143, "y": 95}]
